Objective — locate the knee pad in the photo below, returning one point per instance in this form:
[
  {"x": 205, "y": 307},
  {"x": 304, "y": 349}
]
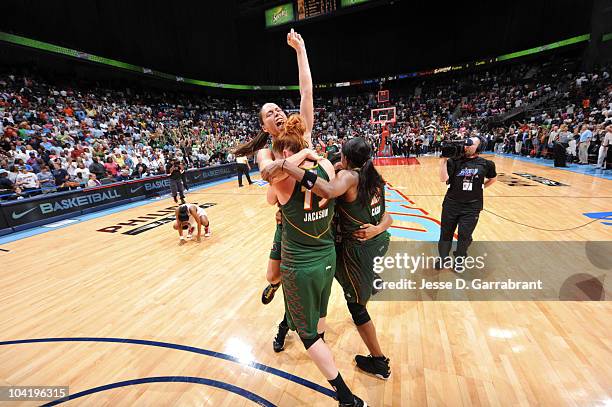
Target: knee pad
[
  {"x": 359, "y": 313},
  {"x": 309, "y": 342}
]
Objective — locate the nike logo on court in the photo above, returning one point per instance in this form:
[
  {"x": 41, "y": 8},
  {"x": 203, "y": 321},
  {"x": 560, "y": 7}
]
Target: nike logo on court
[
  {"x": 132, "y": 190},
  {"x": 22, "y": 214}
]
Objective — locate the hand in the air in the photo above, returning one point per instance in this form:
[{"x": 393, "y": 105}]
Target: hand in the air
[{"x": 295, "y": 40}]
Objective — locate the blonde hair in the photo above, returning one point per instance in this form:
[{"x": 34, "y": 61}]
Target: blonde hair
[{"x": 292, "y": 136}]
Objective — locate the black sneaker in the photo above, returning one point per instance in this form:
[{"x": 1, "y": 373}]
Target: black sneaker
[
  {"x": 357, "y": 402},
  {"x": 279, "y": 339},
  {"x": 374, "y": 365},
  {"x": 268, "y": 293}
]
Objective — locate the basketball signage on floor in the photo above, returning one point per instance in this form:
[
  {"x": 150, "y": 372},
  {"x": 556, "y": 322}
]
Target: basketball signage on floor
[{"x": 541, "y": 180}]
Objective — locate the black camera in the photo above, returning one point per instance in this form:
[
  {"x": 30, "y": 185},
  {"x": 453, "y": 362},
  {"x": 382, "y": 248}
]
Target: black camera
[
  {"x": 456, "y": 148},
  {"x": 453, "y": 148}
]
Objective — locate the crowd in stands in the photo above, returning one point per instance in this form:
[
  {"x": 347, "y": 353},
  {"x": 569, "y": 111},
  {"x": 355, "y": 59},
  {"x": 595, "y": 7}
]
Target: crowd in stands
[{"x": 56, "y": 137}]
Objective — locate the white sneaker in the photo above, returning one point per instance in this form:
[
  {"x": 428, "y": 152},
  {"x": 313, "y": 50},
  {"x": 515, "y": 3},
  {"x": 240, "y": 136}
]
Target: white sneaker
[{"x": 207, "y": 231}]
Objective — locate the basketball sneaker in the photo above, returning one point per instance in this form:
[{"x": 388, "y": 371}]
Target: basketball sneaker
[
  {"x": 207, "y": 231},
  {"x": 190, "y": 232},
  {"x": 357, "y": 402},
  {"x": 374, "y": 365},
  {"x": 268, "y": 293},
  {"x": 279, "y": 339}
]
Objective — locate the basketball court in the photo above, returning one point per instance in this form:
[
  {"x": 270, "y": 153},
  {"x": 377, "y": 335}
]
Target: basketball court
[{"x": 119, "y": 312}]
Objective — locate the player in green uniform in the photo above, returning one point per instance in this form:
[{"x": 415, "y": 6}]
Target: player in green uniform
[
  {"x": 272, "y": 120},
  {"x": 308, "y": 257},
  {"x": 363, "y": 223}
]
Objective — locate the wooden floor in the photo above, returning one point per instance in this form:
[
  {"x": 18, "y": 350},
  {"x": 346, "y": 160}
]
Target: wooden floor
[{"x": 189, "y": 307}]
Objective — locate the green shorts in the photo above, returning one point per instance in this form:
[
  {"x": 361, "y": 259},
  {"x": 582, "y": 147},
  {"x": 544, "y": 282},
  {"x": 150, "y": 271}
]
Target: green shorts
[
  {"x": 355, "y": 266},
  {"x": 275, "y": 252},
  {"x": 306, "y": 289}
]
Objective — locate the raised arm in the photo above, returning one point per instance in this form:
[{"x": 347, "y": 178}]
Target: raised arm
[{"x": 296, "y": 42}]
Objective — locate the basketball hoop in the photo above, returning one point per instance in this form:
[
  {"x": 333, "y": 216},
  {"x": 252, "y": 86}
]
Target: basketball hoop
[{"x": 386, "y": 114}]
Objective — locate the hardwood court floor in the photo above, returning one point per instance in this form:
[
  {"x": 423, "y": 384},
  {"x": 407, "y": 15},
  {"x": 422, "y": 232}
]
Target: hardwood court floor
[{"x": 79, "y": 282}]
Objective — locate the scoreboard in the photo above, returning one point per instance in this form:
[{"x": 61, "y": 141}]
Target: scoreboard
[
  {"x": 300, "y": 10},
  {"x": 314, "y": 8}
]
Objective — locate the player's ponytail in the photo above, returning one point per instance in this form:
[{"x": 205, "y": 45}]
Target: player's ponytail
[
  {"x": 358, "y": 154},
  {"x": 292, "y": 136},
  {"x": 251, "y": 147},
  {"x": 255, "y": 144}
]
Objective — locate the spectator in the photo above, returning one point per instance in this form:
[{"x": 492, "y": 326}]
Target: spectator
[
  {"x": 6, "y": 186},
  {"x": 93, "y": 181},
  {"x": 603, "y": 149},
  {"x": 583, "y": 146},
  {"x": 97, "y": 169},
  {"x": 140, "y": 170},
  {"x": 46, "y": 180},
  {"x": 27, "y": 181},
  {"x": 61, "y": 176},
  {"x": 111, "y": 167}
]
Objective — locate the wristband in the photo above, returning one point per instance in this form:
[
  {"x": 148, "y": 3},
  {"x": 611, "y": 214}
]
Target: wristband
[{"x": 309, "y": 179}]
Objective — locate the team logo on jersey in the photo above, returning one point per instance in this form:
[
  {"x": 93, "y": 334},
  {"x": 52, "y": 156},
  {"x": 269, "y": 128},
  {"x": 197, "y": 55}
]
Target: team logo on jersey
[{"x": 468, "y": 172}]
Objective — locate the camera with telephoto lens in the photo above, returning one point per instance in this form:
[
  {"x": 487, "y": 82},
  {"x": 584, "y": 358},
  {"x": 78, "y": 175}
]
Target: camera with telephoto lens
[{"x": 454, "y": 148}]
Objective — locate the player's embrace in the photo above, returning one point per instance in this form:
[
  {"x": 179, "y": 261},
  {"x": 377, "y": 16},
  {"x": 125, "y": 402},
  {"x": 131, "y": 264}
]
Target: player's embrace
[{"x": 308, "y": 255}]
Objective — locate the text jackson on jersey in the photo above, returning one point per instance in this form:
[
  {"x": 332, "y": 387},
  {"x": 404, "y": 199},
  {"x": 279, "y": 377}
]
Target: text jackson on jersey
[{"x": 312, "y": 216}]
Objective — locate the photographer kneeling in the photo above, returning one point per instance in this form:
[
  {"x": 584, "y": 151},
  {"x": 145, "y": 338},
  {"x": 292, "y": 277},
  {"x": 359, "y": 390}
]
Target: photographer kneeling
[{"x": 466, "y": 175}]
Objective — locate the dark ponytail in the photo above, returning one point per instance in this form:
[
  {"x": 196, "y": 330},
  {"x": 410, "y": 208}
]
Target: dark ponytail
[
  {"x": 257, "y": 143},
  {"x": 251, "y": 147},
  {"x": 358, "y": 154}
]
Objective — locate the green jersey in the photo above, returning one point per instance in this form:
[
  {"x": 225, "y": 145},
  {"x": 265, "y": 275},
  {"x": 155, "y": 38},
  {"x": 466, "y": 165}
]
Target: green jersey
[
  {"x": 307, "y": 231},
  {"x": 353, "y": 214}
]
